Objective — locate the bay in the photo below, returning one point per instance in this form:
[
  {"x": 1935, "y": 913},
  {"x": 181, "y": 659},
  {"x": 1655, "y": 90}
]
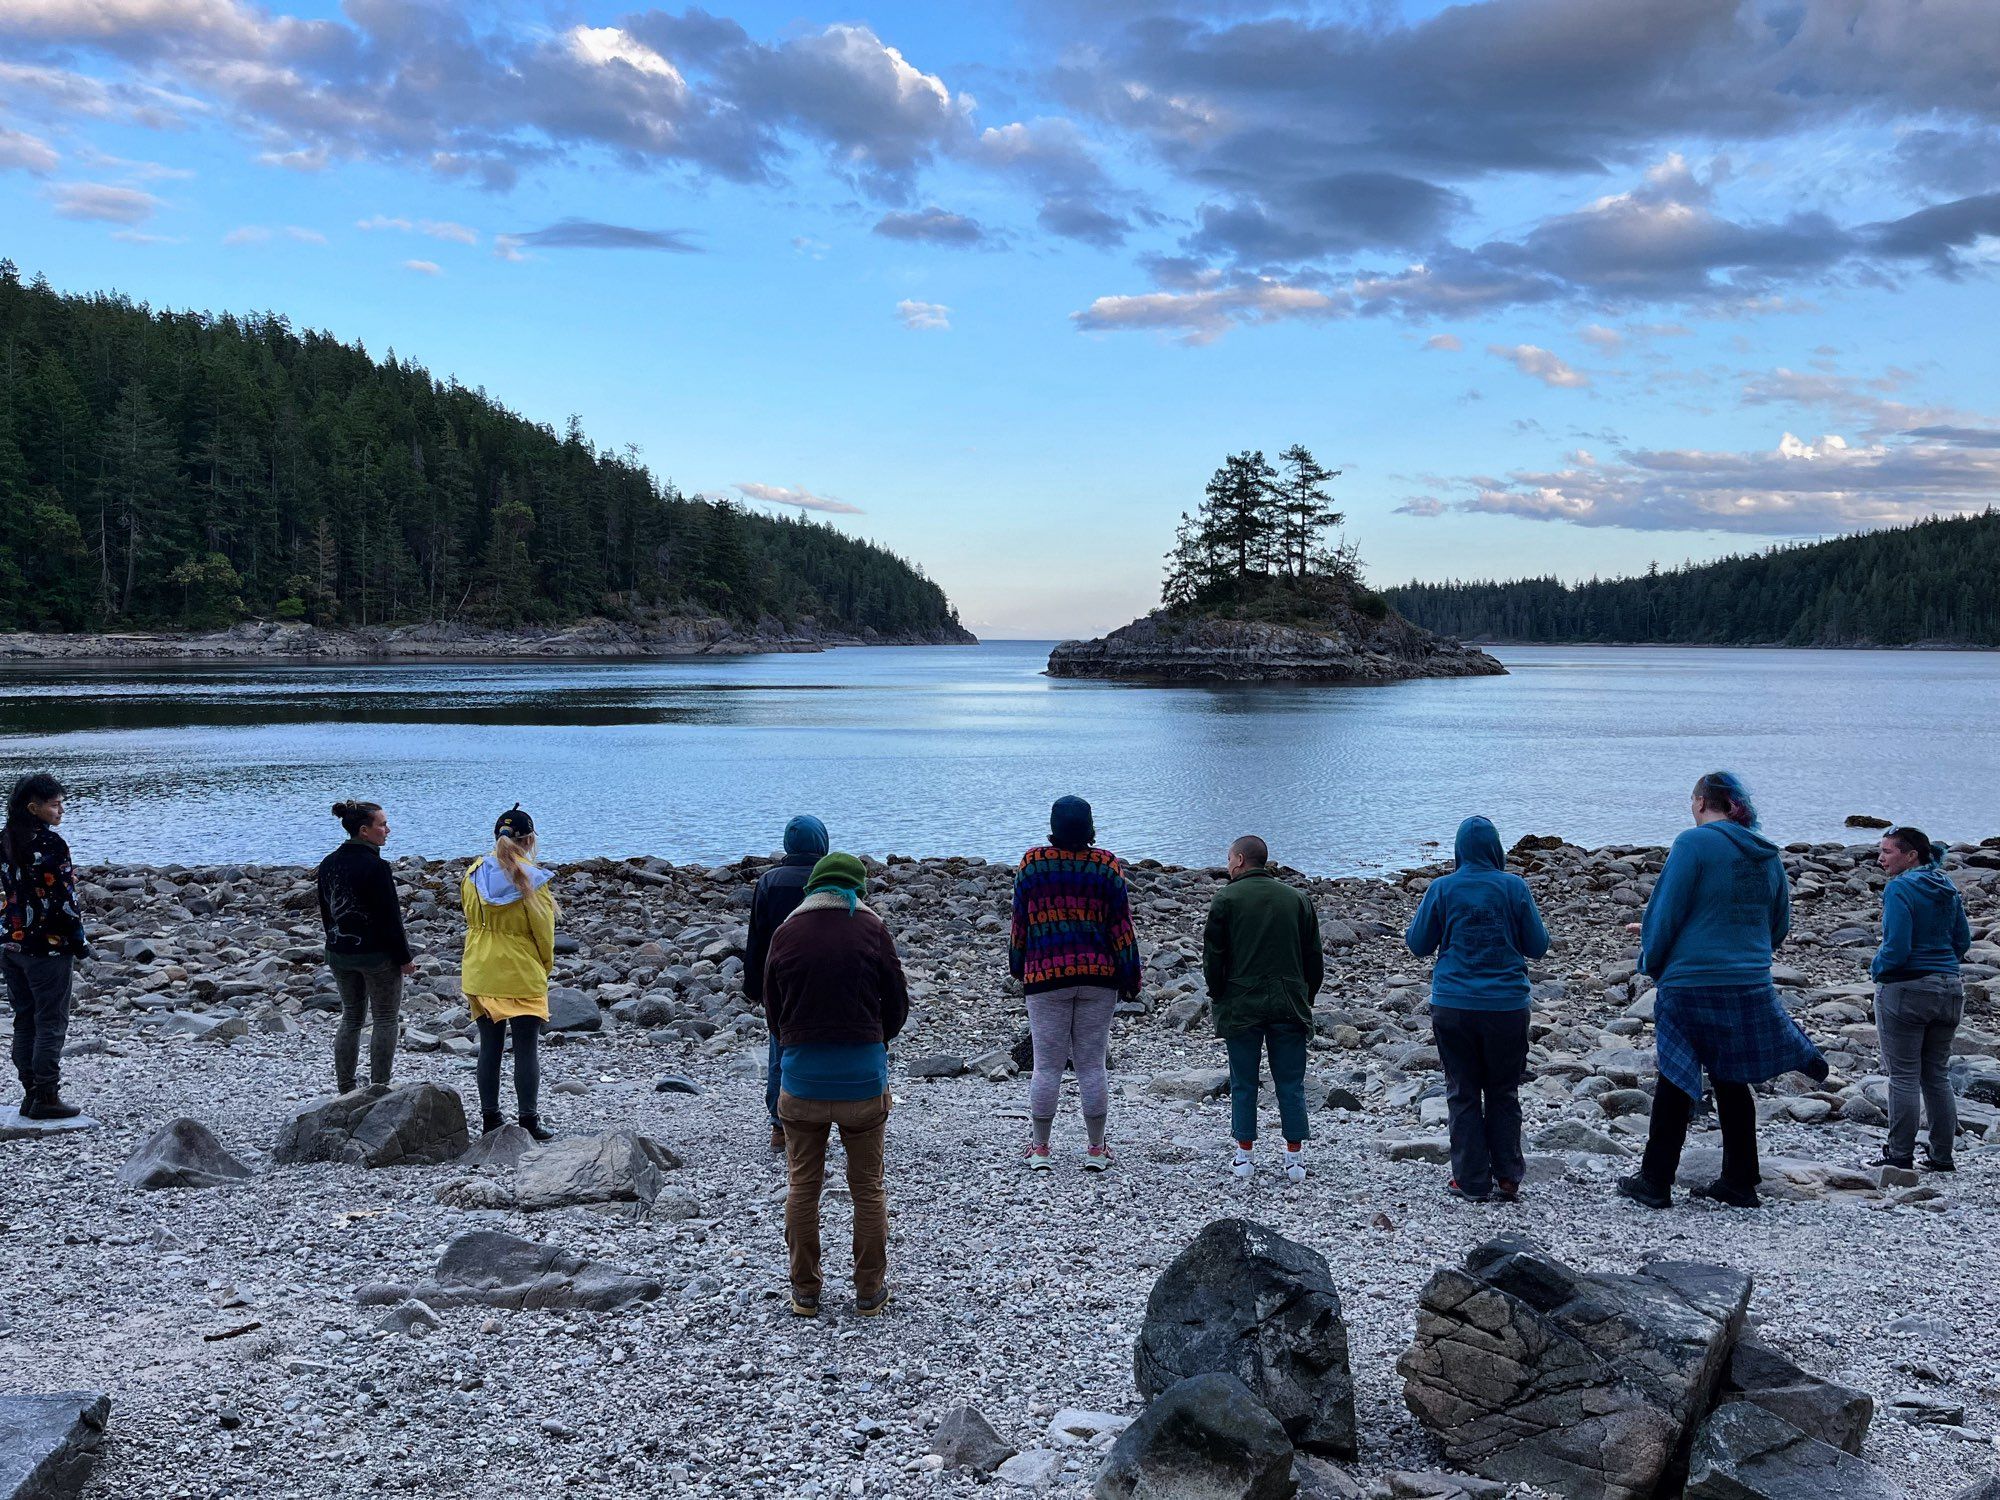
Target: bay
[{"x": 960, "y": 750}]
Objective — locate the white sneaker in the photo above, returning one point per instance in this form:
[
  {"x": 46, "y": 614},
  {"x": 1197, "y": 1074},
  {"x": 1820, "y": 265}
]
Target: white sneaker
[
  {"x": 1295, "y": 1164},
  {"x": 1241, "y": 1165},
  {"x": 1038, "y": 1158}
]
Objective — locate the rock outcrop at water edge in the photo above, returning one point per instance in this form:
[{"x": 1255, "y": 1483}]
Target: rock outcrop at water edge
[{"x": 1207, "y": 649}]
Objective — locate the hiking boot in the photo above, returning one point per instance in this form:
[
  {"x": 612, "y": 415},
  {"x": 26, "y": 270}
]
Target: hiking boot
[
  {"x": 1241, "y": 1164},
  {"x": 1098, "y": 1159},
  {"x": 49, "y": 1105},
  {"x": 1908, "y": 1164},
  {"x": 1295, "y": 1164},
  {"x": 1506, "y": 1190},
  {"x": 778, "y": 1139},
  {"x": 1640, "y": 1190},
  {"x": 1465, "y": 1194},
  {"x": 490, "y": 1122},
  {"x": 534, "y": 1126},
  {"x": 1037, "y": 1158},
  {"x": 805, "y": 1304},
  {"x": 1935, "y": 1163},
  {"x": 1721, "y": 1192},
  {"x": 868, "y": 1307}
]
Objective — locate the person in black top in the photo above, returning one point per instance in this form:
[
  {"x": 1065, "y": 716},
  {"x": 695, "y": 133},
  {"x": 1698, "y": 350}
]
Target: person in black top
[
  {"x": 41, "y": 938},
  {"x": 366, "y": 946},
  {"x": 779, "y": 891}
]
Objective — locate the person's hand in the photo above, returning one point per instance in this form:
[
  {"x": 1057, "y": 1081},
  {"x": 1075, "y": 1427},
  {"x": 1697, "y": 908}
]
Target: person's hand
[
  {"x": 1635, "y": 928},
  {"x": 409, "y": 969}
]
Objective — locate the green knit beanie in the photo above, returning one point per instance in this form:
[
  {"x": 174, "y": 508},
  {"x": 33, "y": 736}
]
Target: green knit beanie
[{"x": 838, "y": 870}]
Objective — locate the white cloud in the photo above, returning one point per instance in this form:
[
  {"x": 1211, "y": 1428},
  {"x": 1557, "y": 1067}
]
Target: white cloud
[
  {"x": 924, "y": 316},
  {"x": 1203, "y": 316},
  {"x": 424, "y": 267},
  {"x": 247, "y": 234},
  {"x": 1799, "y": 488},
  {"x": 1540, "y": 364},
  {"x": 303, "y": 235},
  {"x": 101, "y": 201},
  {"x": 437, "y": 229},
  {"x": 22, "y": 152},
  {"x": 601, "y": 46},
  {"x": 797, "y": 496},
  {"x": 1610, "y": 340},
  {"x": 1451, "y": 343}
]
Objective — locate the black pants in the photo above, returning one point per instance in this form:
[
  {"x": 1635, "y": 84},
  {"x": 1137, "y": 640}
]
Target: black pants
[
  {"x": 38, "y": 986},
  {"x": 1485, "y": 1053},
  {"x": 527, "y": 1032},
  {"x": 1735, "y": 1108},
  {"x": 377, "y": 995}
]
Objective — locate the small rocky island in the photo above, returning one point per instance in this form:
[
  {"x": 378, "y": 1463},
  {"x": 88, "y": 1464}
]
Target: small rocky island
[
  {"x": 1165, "y": 647},
  {"x": 1256, "y": 593}
]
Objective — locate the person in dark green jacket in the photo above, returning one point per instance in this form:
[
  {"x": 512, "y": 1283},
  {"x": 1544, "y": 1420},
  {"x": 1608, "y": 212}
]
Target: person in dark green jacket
[{"x": 1261, "y": 957}]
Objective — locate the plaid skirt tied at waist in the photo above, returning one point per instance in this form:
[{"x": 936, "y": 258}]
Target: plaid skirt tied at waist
[{"x": 1736, "y": 1033}]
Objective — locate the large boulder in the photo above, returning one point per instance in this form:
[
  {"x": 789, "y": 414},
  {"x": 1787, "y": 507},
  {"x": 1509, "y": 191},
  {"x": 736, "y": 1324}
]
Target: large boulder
[
  {"x": 48, "y": 1443},
  {"x": 491, "y": 1269},
  {"x": 182, "y": 1153},
  {"x": 573, "y": 1010},
  {"x": 1205, "y": 1438},
  {"x": 1243, "y": 1300},
  {"x": 1588, "y": 1385},
  {"x": 1835, "y": 1414},
  {"x": 1745, "y": 1453},
  {"x": 619, "y": 1166},
  {"x": 416, "y": 1124}
]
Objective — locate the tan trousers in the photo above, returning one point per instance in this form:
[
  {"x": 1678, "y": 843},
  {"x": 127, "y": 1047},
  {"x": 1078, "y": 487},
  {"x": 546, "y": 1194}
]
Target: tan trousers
[{"x": 807, "y": 1125}]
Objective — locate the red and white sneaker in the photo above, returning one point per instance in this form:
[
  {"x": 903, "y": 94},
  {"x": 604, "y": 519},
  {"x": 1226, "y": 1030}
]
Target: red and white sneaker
[
  {"x": 1098, "y": 1159},
  {"x": 1038, "y": 1158}
]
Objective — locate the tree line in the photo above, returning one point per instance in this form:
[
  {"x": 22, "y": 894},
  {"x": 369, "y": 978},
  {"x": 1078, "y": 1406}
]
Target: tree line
[
  {"x": 184, "y": 469},
  {"x": 1936, "y": 582},
  {"x": 1259, "y": 538}
]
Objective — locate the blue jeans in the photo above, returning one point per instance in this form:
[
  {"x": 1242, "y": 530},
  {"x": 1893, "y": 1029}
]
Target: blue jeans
[
  {"x": 1286, "y": 1042},
  {"x": 773, "y": 1070}
]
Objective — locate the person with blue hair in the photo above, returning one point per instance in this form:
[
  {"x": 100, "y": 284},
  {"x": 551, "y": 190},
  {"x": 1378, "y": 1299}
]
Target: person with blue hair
[
  {"x": 1919, "y": 996},
  {"x": 779, "y": 891},
  {"x": 1720, "y": 907}
]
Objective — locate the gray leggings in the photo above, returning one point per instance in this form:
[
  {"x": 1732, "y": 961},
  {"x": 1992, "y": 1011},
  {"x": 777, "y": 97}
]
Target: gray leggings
[
  {"x": 1071, "y": 1025},
  {"x": 375, "y": 995},
  {"x": 1916, "y": 1020}
]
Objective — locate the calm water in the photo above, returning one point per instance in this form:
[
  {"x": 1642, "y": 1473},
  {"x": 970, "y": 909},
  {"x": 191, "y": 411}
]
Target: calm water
[{"x": 960, "y": 750}]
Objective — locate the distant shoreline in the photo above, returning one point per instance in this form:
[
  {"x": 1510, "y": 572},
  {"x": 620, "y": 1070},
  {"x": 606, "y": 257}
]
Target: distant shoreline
[
  {"x": 587, "y": 640},
  {"x": 1725, "y": 645}
]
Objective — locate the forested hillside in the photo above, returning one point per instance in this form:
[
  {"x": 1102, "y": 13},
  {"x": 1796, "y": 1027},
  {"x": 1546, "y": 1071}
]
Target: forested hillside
[
  {"x": 188, "y": 469},
  {"x": 1934, "y": 583}
]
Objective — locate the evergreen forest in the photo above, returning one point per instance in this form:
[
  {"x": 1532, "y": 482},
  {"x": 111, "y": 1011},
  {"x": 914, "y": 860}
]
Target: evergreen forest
[
  {"x": 1257, "y": 548},
  {"x": 188, "y": 470},
  {"x": 1936, "y": 582}
]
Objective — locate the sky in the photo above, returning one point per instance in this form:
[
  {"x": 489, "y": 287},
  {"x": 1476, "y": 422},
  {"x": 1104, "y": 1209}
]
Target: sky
[{"x": 1561, "y": 287}]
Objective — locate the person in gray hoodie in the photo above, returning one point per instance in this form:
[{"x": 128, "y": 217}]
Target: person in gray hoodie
[
  {"x": 1482, "y": 923},
  {"x": 1919, "y": 997}
]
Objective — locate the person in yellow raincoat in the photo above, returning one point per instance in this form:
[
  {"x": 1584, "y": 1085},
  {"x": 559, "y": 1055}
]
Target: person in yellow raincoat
[{"x": 510, "y": 948}]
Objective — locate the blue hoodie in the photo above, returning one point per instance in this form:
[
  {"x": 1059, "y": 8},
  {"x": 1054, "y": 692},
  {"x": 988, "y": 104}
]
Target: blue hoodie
[
  {"x": 1721, "y": 905},
  {"x": 495, "y": 889},
  {"x": 1481, "y": 922},
  {"x": 1924, "y": 930}
]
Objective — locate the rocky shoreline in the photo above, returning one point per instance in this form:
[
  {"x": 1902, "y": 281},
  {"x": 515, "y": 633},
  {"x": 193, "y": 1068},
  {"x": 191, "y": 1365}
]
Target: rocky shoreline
[
  {"x": 1166, "y": 648},
  {"x": 314, "y": 1326},
  {"x": 280, "y": 640}
]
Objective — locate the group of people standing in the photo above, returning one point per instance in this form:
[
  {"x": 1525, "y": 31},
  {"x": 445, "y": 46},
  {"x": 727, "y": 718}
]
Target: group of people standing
[{"x": 826, "y": 971}]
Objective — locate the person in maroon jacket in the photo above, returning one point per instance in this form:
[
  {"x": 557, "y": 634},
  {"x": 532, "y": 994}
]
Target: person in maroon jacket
[{"x": 835, "y": 998}]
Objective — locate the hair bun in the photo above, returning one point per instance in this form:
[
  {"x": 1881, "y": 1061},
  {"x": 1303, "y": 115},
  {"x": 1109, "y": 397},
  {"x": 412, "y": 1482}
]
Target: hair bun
[{"x": 341, "y": 809}]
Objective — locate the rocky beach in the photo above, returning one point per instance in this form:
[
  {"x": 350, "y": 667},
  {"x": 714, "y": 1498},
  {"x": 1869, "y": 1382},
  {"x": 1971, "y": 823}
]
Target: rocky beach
[{"x": 294, "y": 1296}]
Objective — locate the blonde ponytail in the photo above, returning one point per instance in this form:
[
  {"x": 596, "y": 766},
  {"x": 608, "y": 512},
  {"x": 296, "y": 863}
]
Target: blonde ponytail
[{"x": 514, "y": 856}]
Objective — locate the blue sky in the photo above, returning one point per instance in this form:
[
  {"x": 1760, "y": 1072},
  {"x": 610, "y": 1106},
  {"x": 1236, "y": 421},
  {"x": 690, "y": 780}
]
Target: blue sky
[{"x": 1561, "y": 286}]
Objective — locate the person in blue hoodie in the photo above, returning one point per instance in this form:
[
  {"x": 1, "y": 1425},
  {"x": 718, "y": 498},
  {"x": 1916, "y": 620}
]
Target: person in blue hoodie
[
  {"x": 1719, "y": 908},
  {"x": 1482, "y": 923},
  {"x": 779, "y": 891},
  {"x": 1919, "y": 998}
]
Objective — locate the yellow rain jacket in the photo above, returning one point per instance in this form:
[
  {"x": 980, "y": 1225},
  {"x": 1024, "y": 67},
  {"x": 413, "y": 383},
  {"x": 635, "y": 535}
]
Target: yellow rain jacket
[{"x": 510, "y": 944}]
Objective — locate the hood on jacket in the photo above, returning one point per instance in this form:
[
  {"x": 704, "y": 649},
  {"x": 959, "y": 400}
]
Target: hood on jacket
[
  {"x": 1930, "y": 883},
  {"x": 806, "y": 835},
  {"x": 1478, "y": 846},
  {"x": 1748, "y": 841},
  {"x": 495, "y": 889}
]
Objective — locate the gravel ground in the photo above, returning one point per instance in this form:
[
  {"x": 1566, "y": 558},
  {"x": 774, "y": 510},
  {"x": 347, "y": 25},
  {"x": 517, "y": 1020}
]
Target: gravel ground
[{"x": 1020, "y": 1295}]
